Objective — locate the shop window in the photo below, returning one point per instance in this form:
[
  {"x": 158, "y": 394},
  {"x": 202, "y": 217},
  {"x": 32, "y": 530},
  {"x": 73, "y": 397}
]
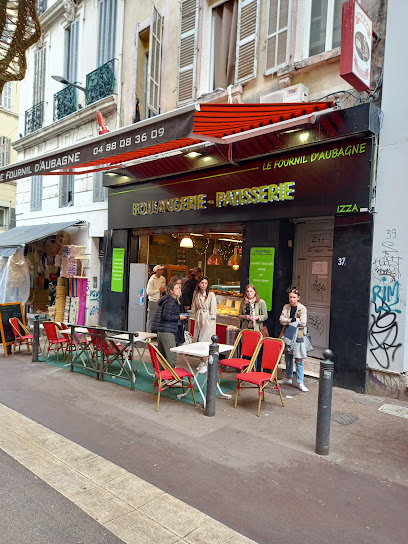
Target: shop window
[
  {"x": 325, "y": 25},
  {"x": 107, "y": 10},
  {"x": 3, "y": 216},
  {"x": 4, "y": 150},
  {"x": 7, "y": 96},
  {"x": 100, "y": 193},
  {"x": 71, "y": 51},
  {"x": 66, "y": 196},
  {"x": 277, "y": 35},
  {"x": 36, "y": 193}
]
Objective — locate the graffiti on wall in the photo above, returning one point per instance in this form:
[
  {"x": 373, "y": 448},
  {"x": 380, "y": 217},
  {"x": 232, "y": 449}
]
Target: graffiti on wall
[
  {"x": 94, "y": 299},
  {"x": 384, "y": 384},
  {"x": 386, "y": 303}
]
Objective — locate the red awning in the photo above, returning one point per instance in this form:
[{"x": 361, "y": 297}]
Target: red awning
[{"x": 165, "y": 133}]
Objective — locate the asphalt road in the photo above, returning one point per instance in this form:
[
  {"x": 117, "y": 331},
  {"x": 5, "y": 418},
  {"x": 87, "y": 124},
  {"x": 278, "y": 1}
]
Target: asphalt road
[
  {"x": 32, "y": 512},
  {"x": 260, "y": 488}
]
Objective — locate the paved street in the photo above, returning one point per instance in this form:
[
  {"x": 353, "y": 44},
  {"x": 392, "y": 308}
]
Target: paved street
[{"x": 234, "y": 472}]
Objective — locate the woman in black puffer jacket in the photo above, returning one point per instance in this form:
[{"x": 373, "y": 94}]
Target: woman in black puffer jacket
[{"x": 169, "y": 317}]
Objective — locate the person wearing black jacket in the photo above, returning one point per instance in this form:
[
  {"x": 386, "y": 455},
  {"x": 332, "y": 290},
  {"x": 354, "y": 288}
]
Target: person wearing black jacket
[
  {"x": 189, "y": 287},
  {"x": 168, "y": 318}
]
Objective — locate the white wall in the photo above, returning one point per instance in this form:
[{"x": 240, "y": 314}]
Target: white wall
[{"x": 388, "y": 335}]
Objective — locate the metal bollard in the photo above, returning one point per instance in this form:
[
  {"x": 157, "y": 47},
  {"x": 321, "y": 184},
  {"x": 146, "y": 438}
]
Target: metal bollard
[
  {"x": 36, "y": 340},
  {"x": 212, "y": 379},
  {"x": 324, "y": 404}
]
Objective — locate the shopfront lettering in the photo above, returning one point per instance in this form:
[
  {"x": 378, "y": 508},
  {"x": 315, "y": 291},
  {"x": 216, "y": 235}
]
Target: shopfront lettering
[
  {"x": 183, "y": 204},
  {"x": 335, "y": 153},
  {"x": 347, "y": 208},
  {"x": 41, "y": 166},
  {"x": 256, "y": 195}
]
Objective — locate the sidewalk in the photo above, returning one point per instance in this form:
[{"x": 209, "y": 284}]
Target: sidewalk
[{"x": 236, "y": 467}]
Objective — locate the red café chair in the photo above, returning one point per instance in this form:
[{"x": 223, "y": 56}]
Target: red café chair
[
  {"x": 54, "y": 341},
  {"x": 250, "y": 342},
  {"x": 272, "y": 352},
  {"x": 166, "y": 376},
  {"x": 109, "y": 347},
  {"x": 21, "y": 334}
]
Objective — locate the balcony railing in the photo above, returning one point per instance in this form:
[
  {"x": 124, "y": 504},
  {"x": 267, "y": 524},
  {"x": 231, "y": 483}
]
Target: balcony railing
[
  {"x": 34, "y": 118},
  {"x": 41, "y": 6},
  {"x": 100, "y": 82},
  {"x": 65, "y": 102}
]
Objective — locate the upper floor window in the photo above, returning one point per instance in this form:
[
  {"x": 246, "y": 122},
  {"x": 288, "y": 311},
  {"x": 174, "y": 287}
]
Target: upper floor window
[
  {"x": 41, "y": 6},
  {"x": 4, "y": 151},
  {"x": 325, "y": 25},
  {"x": 7, "y": 96},
  {"x": 231, "y": 55},
  {"x": 277, "y": 35},
  {"x": 66, "y": 194},
  {"x": 106, "y": 30},
  {"x": 39, "y": 76},
  {"x": 71, "y": 51}
]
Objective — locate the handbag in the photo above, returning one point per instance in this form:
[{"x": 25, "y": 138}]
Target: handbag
[
  {"x": 308, "y": 342},
  {"x": 188, "y": 339},
  {"x": 263, "y": 329}
]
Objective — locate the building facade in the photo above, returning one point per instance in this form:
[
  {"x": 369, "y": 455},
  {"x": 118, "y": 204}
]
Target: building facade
[{"x": 81, "y": 43}]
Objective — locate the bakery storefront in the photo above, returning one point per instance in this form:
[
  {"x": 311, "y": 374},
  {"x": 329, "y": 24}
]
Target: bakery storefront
[{"x": 299, "y": 217}]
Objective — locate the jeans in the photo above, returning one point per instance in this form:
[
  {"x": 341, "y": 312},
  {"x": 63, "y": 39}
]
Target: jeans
[{"x": 289, "y": 368}]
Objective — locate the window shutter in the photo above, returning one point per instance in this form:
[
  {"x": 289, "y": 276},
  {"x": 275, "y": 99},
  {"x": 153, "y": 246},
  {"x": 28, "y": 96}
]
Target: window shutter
[
  {"x": 106, "y": 30},
  {"x": 36, "y": 193},
  {"x": 4, "y": 151},
  {"x": 39, "y": 76},
  {"x": 247, "y": 40},
  {"x": 99, "y": 191},
  {"x": 63, "y": 191},
  {"x": 277, "y": 35},
  {"x": 12, "y": 216},
  {"x": 154, "y": 62},
  {"x": 7, "y": 96},
  {"x": 188, "y": 47},
  {"x": 73, "y": 51}
]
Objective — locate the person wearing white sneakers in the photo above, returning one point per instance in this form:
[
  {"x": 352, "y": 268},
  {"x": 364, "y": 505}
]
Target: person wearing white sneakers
[{"x": 295, "y": 311}]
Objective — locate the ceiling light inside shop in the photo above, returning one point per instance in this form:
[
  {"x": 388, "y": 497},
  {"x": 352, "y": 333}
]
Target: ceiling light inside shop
[
  {"x": 235, "y": 259},
  {"x": 193, "y": 154},
  {"x": 230, "y": 240},
  {"x": 215, "y": 259},
  {"x": 187, "y": 242},
  {"x": 304, "y": 136},
  {"x": 235, "y": 267}
]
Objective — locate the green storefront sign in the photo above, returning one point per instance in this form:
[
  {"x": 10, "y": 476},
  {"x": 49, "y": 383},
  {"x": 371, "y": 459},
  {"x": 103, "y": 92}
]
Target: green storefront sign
[
  {"x": 118, "y": 268},
  {"x": 261, "y": 269}
]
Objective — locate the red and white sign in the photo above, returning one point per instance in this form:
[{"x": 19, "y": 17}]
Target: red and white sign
[{"x": 356, "y": 46}]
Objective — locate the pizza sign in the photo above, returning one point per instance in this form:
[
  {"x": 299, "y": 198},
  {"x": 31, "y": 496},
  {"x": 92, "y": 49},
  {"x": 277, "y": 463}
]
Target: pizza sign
[{"x": 356, "y": 46}]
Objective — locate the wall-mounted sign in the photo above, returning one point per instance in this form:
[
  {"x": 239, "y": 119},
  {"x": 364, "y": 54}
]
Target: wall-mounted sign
[
  {"x": 356, "y": 46},
  {"x": 118, "y": 268},
  {"x": 310, "y": 181},
  {"x": 261, "y": 267}
]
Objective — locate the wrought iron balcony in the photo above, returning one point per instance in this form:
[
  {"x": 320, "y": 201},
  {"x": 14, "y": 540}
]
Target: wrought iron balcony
[
  {"x": 100, "y": 82},
  {"x": 34, "y": 118},
  {"x": 41, "y": 6},
  {"x": 65, "y": 102}
]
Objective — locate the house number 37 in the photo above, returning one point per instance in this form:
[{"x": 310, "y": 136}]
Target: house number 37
[{"x": 341, "y": 261}]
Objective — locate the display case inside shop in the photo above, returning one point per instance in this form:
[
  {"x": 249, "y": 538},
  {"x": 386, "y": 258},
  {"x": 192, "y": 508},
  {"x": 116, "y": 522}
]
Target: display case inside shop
[{"x": 228, "y": 308}]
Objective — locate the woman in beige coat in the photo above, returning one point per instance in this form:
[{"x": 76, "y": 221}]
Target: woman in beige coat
[
  {"x": 205, "y": 314},
  {"x": 295, "y": 311}
]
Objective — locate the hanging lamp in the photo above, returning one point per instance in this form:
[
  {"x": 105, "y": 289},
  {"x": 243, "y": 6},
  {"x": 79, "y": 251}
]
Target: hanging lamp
[
  {"x": 187, "y": 242},
  {"x": 235, "y": 259},
  {"x": 215, "y": 259}
]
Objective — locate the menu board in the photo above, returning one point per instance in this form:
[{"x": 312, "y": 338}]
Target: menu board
[
  {"x": 261, "y": 267},
  {"x": 7, "y": 311},
  {"x": 118, "y": 267}
]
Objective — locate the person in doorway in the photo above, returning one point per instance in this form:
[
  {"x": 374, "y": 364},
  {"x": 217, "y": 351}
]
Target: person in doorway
[
  {"x": 167, "y": 322},
  {"x": 205, "y": 314},
  {"x": 252, "y": 310},
  {"x": 155, "y": 287},
  {"x": 189, "y": 287},
  {"x": 52, "y": 292},
  {"x": 295, "y": 311}
]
